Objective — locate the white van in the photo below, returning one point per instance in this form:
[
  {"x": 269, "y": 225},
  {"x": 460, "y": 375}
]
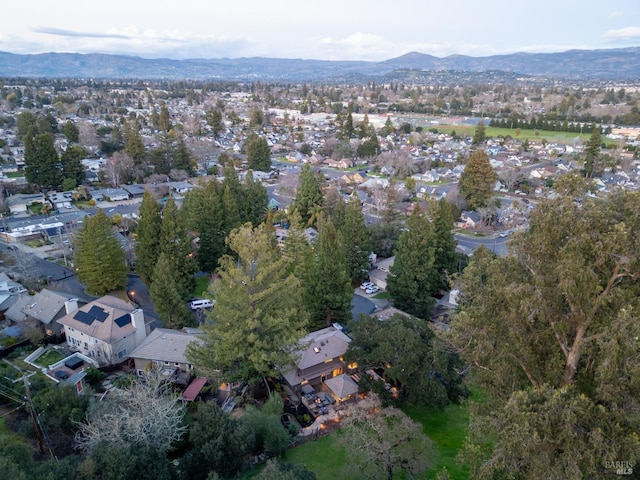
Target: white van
[{"x": 201, "y": 303}]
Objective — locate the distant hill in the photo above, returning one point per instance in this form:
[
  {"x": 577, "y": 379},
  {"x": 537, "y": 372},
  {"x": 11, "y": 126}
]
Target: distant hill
[{"x": 621, "y": 64}]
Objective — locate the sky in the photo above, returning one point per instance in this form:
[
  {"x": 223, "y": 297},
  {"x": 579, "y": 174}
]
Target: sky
[{"x": 371, "y": 30}]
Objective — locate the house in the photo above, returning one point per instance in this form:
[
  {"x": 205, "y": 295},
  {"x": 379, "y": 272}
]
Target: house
[
  {"x": 180, "y": 187},
  {"x": 47, "y": 306},
  {"x": 165, "y": 349},
  {"x": 379, "y": 273},
  {"x": 134, "y": 191},
  {"x": 61, "y": 200},
  {"x": 19, "y": 203},
  {"x": 106, "y": 329},
  {"x": 110, "y": 195},
  {"x": 321, "y": 356},
  {"x": 468, "y": 219}
]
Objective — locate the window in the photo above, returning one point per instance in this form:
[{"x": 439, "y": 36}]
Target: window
[{"x": 122, "y": 353}]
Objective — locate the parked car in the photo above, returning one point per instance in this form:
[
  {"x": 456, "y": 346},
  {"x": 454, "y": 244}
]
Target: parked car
[
  {"x": 202, "y": 303},
  {"x": 366, "y": 285},
  {"x": 372, "y": 289}
]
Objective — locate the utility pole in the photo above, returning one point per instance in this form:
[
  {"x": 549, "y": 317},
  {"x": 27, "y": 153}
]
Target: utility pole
[{"x": 32, "y": 411}]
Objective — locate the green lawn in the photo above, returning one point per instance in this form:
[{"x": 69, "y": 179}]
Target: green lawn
[
  {"x": 321, "y": 457},
  {"x": 202, "y": 283},
  {"x": 382, "y": 295},
  {"x": 525, "y": 134},
  {"x": 447, "y": 429},
  {"x": 49, "y": 358}
]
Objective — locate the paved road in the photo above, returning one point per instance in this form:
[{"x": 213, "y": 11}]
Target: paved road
[
  {"x": 138, "y": 292},
  {"x": 496, "y": 244}
]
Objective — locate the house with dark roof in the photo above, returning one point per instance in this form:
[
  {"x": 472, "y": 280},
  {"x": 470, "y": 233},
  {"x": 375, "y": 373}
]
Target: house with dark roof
[
  {"x": 106, "y": 329},
  {"x": 165, "y": 349},
  {"x": 320, "y": 357},
  {"x": 47, "y": 306}
]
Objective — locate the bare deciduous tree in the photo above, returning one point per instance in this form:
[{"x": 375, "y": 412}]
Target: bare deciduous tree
[
  {"x": 145, "y": 413},
  {"x": 118, "y": 167}
]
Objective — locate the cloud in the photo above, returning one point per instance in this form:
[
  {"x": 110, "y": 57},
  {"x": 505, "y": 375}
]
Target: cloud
[
  {"x": 623, "y": 33},
  {"x": 70, "y": 33},
  {"x": 360, "y": 46},
  {"x": 616, "y": 14},
  {"x": 150, "y": 43}
]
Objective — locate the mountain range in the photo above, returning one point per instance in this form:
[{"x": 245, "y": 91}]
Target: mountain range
[{"x": 606, "y": 64}]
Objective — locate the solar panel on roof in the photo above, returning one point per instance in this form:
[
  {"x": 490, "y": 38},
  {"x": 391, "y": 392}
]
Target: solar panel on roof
[
  {"x": 84, "y": 317},
  {"x": 123, "y": 320},
  {"x": 98, "y": 313}
]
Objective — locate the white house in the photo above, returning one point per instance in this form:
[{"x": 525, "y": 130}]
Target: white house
[{"x": 106, "y": 329}]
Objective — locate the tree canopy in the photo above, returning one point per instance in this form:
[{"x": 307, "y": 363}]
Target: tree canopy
[
  {"x": 420, "y": 366},
  {"x": 99, "y": 257},
  {"x": 413, "y": 277},
  {"x": 258, "y": 153},
  {"x": 309, "y": 196},
  {"x": 477, "y": 180},
  {"x": 258, "y": 317},
  {"x": 547, "y": 332}
]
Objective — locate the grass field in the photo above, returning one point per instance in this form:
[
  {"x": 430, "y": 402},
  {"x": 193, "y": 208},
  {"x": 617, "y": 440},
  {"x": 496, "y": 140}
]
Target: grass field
[{"x": 524, "y": 134}]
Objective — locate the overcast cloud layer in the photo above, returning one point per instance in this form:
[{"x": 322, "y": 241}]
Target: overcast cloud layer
[{"x": 327, "y": 30}]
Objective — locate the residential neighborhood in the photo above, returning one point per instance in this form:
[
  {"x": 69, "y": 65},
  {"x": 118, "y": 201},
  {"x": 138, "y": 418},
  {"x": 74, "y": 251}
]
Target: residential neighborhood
[{"x": 290, "y": 260}]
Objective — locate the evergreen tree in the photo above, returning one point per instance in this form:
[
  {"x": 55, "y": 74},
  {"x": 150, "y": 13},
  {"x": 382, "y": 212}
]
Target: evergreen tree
[
  {"x": 477, "y": 180},
  {"x": 592, "y": 152},
  {"x": 182, "y": 159},
  {"x": 479, "y": 133},
  {"x": 175, "y": 244},
  {"x": 71, "y": 160},
  {"x": 204, "y": 214},
  {"x": 308, "y": 195},
  {"x": 355, "y": 241},
  {"x": 167, "y": 298},
  {"x": 370, "y": 147},
  {"x": 443, "y": 215},
  {"x": 258, "y": 153},
  {"x": 388, "y": 128},
  {"x": 327, "y": 284},
  {"x": 41, "y": 161},
  {"x": 133, "y": 143},
  {"x": 71, "y": 131},
  {"x": 148, "y": 237},
  {"x": 255, "y": 201},
  {"x": 164, "y": 118},
  {"x": 214, "y": 120},
  {"x": 99, "y": 257},
  {"x": 413, "y": 278},
  {"x": 257, "y": 320}
]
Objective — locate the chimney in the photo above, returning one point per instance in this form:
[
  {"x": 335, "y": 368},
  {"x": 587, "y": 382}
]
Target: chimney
[
  {"x": 71, "y": 305},
  {"x": 137, "y": 320}
]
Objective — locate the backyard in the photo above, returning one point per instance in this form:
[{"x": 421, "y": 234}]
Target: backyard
[
  {"x": 50, "y": 357},
  {"x": 447, "y": 429}
]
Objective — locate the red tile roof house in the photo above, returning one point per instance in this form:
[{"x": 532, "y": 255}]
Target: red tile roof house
[{"x": 106, "y": 329}]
